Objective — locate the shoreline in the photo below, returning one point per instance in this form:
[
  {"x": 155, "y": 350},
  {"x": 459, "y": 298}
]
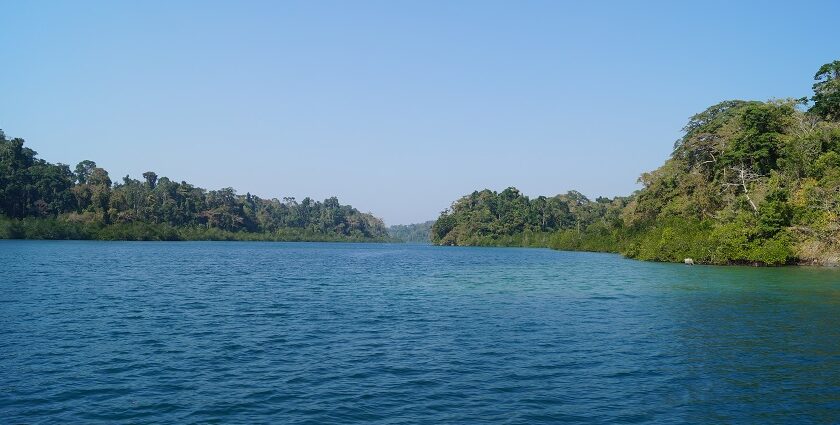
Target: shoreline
[
  {"x": 798, "y": 263},
  {"x": 833, "y": 263}
]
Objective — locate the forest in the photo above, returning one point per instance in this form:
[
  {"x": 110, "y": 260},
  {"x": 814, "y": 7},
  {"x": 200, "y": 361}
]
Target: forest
[
  {"x": 749, "y": 182},
  {"x": 41, "y": 200},
  {"x": 412, "y": 233}
]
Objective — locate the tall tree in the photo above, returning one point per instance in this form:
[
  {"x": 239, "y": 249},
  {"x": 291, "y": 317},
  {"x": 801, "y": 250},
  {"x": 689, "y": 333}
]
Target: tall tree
[
  {"x": 151, "y": 179},
  {"x": 827, "y": 91},
  {"x": 83, "y": 170}
]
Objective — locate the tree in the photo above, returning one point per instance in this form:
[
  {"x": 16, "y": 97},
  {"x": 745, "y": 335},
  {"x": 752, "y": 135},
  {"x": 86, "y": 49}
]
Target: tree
[
  {"x": 743, "y": 178},
  {"x": 32, "y": 187},
  {"x": 99, "y": 177},
  {"x": 151, "y": 179},
  {"x": 83, "y": 170},
  {"x": 827, "y": 91},
  {"x": 761, "y": 136}
]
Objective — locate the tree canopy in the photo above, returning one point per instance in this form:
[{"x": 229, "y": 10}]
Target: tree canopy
[
  {"x": 33, "y": 188},
  {"x": 827, "y": 91},
  {"x": 749, "y": 182}
]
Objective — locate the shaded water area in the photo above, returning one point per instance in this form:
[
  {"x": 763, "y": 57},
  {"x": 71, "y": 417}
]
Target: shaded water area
[{"x": 198, "y": 332}]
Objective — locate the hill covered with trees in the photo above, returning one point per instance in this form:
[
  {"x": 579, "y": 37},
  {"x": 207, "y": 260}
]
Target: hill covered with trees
[
  {"x": 748, "y": 183},
  {"x": 40, "y": 200}
]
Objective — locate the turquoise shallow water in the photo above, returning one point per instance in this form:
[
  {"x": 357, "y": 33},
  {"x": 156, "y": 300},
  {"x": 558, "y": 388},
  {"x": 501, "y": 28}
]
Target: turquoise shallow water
[{"x": 203, "y": 332}]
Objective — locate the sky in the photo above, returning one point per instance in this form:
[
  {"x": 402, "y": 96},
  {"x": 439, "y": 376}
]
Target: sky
[{"x": 398, "y": 108}]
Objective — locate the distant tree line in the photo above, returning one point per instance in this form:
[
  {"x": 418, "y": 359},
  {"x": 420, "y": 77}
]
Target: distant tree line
[
  {"x": 748, "y": 183},
  {"x": 412, "y": 233},
  {"x": 40, "y": 199}
]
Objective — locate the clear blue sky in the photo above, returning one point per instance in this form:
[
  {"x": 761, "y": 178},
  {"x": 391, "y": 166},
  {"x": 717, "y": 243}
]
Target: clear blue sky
[{"x": 397, "y": 108}]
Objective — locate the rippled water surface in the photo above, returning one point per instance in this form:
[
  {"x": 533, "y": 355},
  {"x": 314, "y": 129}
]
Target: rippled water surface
[{"x": 197, "y": 332}]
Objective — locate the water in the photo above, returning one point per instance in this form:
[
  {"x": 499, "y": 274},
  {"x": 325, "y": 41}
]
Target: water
[{"x": 202, "y": 332}]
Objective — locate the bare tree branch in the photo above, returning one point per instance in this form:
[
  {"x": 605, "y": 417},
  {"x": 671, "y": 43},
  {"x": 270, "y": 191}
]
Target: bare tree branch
[{"x": 744, "y": 177}]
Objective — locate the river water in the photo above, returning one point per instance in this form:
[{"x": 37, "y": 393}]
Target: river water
[{"x": 238, "y": 332}]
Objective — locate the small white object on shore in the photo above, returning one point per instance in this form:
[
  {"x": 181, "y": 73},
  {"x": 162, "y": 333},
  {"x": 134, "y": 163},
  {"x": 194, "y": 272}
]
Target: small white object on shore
[{"x": 689, "y": 261}]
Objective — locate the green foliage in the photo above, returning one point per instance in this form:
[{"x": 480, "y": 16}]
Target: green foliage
[
  {"x": 761, "y": 136},
  {"x": 827, "y": 91},
  {"x": 774, "y": 214},
  {"x": 749, "y": 183},
  {"x": 48, "y": 201},
  {"x": 492, "y": 218},
  {"x": 413, "y": 233},
  {"x": 595, "y": 238},
  {"x": 62, "y": 228},
  {"x": 31, "y": 187}
]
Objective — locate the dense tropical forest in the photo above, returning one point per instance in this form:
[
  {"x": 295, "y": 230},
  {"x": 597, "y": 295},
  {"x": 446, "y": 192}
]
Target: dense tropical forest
[
  {"x": 40, "y": 200},
  {"x": 748, "y": 183},
  {"x": 412, "y": 233}
]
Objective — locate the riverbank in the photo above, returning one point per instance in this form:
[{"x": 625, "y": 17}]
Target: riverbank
[
  {"x": 668, "y": 246},
  {"x": 57, "y": 229}
]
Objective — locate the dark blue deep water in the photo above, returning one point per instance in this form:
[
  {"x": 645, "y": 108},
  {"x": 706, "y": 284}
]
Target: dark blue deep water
[{"x": 207, "y": 332}]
